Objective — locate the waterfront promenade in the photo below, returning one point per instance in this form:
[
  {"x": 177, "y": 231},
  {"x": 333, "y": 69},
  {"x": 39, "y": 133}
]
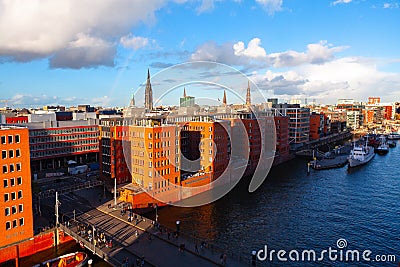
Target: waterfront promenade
[{"x": 143, "y": 239}]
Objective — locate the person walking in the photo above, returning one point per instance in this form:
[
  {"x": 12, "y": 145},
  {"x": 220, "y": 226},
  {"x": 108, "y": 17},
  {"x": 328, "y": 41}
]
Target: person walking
[{"x": 196, "y": 249}]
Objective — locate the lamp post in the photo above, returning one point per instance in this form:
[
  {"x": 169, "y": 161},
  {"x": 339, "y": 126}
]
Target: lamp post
[{"x": 156, "y": 208}]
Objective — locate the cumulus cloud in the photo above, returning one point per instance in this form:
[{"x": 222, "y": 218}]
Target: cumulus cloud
[
  {"x": 85, "y": 51},
  {"x": 41, "y": 100},
  {"x": 134, "y": 42},
  {"x": 42, "y": 28},
  {"x": 254, "y": 55},
  {"x": 253, "y": 50},
  {"x": 271, "y": 6}
]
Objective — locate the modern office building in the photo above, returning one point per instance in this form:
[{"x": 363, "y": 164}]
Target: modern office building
[{"x": 16, "y": 216}]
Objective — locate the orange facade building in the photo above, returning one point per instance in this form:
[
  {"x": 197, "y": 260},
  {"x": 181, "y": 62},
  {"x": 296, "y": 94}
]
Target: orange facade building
[{"x": 16, "y": 217}]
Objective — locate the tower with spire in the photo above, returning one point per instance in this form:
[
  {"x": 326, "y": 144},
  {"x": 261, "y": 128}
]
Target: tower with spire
[
  {"x": 132, "y": 102},
  {"x": 224, "y": 99},
  {"x": 248, "y": 96},
  {"x": 148, "y": 94}
]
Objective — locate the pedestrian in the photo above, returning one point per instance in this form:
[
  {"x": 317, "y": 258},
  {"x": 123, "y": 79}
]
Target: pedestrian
[
  {"x": 169, "y": 235},
  {"x": 196, "y": 249},
  {"x": 221, "y": 259},
  {"x": 224, "y": 259}
]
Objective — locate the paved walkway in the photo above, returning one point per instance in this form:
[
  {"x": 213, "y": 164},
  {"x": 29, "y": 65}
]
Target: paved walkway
[{"x": 160, "y": 251}]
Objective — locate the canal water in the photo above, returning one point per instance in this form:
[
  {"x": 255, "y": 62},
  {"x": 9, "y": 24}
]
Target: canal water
[{"x": 296, "y": 211}]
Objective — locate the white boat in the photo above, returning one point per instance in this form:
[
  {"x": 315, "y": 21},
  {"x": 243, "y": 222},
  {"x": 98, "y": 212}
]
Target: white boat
[
  {"x": 394, "y": 136},
  {"x": 360, "y": 155},
  {"x": 383, "y": 147}
]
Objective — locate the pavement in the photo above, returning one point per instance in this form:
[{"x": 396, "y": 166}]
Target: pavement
[{"x": 203, "y": 256}]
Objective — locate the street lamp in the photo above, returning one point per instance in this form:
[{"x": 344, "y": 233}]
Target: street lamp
[{"x": 156, "y": 208}]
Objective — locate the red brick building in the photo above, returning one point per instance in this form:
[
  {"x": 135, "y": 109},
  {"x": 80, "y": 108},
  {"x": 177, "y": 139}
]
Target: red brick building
[{"x": 16, "y": 216}]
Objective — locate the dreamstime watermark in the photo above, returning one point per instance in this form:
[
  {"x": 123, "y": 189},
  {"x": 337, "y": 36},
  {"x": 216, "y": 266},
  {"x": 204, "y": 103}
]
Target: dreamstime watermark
[
  {"x": 340, "y": 253},
  {"x": 225, "y": 139}
]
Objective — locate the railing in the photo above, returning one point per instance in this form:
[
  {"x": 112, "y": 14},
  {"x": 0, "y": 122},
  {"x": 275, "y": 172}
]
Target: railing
[{"x": 68, "y": 189}]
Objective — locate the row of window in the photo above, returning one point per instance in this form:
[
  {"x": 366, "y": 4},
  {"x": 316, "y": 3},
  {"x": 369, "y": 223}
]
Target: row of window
[
  {"x": 11, "y": 167},
  {"x": 63, "y": 131},
  {"x": 160, "y": 135},
  {"x": 14, "y": 224},
  {"x": 14, "y": 210},
  {"x": 10, "y": 138},
  {"x": 63, "y": 144},
  {"x": 10, "y": 153},
  {"x": 63, "y": 151},
  {"x": 11, "y": 182},
  {"x": 13, "y": 195},
  {"x": 48, "y": 139}
]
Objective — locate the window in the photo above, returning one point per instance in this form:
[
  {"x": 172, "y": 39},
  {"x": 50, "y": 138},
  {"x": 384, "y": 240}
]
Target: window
[
  {"x": 11, "y": 167},
  {"x": 3, "y": 139},
  {"x": 14, "y": 223},
  {"x": 18, "y": 166},
  {"x": 8, "y": 225},
  {"x": 17, "y": 138},
  {"x": 20, "y": 207},
  {"x": 5, "y": 169},
  {"x": 18, "y": 153},
  {"x": 14, "y": 209},
  {"x": 10, "y": 153},
  {"x": 7, "y": 211},
  {"x": 3, "y": 154},
  {"x": 21, "y": 221},
  {"x": 19, "y": 194},
  {"x": 13, "y": 196},
  {"x": 19, "y": 180},
  {"x": 12, "y": 181},
  {"x": 6, "y": 197},
  {"x": 5, "y": 181},
  {"x": 10, "y": 139}
]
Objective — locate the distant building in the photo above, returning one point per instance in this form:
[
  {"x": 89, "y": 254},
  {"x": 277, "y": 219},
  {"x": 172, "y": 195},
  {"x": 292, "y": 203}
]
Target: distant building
[
  {"x": 113, "y": 136},
  {"x": 186, "y": 101},
  {"x": 16, "y": 217},
  {"x": 316, "y": 126},
  {"x": 299, "y": 123}
]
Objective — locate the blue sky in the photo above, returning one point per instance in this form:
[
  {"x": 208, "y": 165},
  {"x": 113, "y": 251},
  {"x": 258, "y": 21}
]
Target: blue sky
[{"x": 71, "y": 52}]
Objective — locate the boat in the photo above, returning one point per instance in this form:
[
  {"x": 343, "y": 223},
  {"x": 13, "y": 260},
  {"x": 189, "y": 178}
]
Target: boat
[
  {"x": 392, "y": 144},
  {"x": 394, "y": 136},
  {"x": 383, "y": 147},
  {"x": 361, "y": 154},
  {"x": 76, "y": 259}
]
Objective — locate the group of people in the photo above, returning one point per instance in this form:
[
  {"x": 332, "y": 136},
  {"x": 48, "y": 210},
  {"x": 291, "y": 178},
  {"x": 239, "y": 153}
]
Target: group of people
[{"x": 99, "y": 239}]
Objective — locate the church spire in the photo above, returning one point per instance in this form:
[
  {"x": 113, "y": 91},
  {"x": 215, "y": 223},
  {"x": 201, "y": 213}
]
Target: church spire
[
  {"x": 148, "y": 97},
  {"x": 224, "y": 99},
  {"x": 184, "y": 92},
  {"x": 248, "y": 96},
  {"x": 132, "y": 103}
]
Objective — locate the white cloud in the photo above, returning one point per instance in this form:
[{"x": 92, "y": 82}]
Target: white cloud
[
  {"x": 341, "y": 2},
  {"x": 391, "y": 5},
  {"x": 255, "y": 55},
  {"x": 28, "y": 100},
  {"x": 41, "y": 28},
  {"x": 253, "y": 50},
  {"x": 134, "y": 42},
  {"x": 353, "y": 77},
  {"x": 271, "y": 6}
]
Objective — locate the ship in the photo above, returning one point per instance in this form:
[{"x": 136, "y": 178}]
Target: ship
[
  {"x": 361, "y": 155},
  {"x": 76, "y": 259},
  {"x": 383, "y": 147},
  {"x": 394, "y": 136}
]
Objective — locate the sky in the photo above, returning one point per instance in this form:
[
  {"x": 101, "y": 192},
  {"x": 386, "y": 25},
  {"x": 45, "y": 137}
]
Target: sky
[{"x": 71, "y": 52}]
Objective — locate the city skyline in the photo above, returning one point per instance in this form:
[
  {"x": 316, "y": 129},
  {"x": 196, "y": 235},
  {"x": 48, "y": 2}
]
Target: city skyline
[{"x": 58, "y": 54}]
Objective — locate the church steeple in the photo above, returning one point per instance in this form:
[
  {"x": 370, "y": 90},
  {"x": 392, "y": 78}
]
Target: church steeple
[
  {"x": 224, "y": 99},
  {"x": 248, "y": 96},
  {"x": 184, "y": 92},
  {"x": 148, "y": 97},
  {"x": 132, "y": 103}
]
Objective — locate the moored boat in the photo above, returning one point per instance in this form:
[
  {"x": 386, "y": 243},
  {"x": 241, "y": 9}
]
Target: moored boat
[
  {"x": 383, "y": 147},
  {"x": 76, "y": 259},
  {"x": 394, "y": 136},
  {"x": 392, "y": 144},
  {"x": 361, "y": 155}
]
